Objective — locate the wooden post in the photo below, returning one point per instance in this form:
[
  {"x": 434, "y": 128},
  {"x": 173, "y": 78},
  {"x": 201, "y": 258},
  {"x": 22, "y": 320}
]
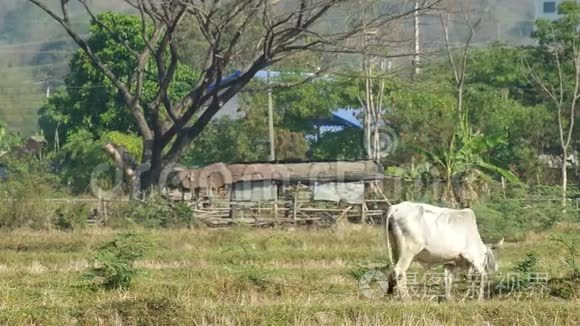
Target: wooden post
[
  {"x": 276, "y": 201},
  {"x": 100, "y": 206},
  {"x": 233, "y": 211},
  {"x": 295, "y": 206},
  {"x": 191, "y": 188},
  {"x": 106, "y": 217},
  {"x": 363, "y": 216}
]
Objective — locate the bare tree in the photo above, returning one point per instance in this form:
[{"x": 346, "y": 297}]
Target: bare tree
[
  {"x": 168, "y": 125},
  {"x": 375, "y": 43},
  {"x": 458, "y": 57},
  {"x": 372, "y": 102},
  {"x": 564, "y": 99}
]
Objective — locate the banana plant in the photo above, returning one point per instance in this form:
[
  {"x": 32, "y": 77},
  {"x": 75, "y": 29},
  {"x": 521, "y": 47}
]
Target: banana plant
[{"x": 466, "y": 152}]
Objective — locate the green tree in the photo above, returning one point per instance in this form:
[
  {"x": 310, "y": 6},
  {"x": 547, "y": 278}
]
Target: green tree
[
  {"x": 423, "y": 113},
  {"x": 296, "y": 109},
  {"x": 227, "y": 140},
  {"x": 290, "y": 145},
  {"x": 527, "y": 130},
  {"x": 346, "y": 144},
  {"x": 89, "y": 101},
  {"x": 299, "y": 106},
  {"x": 78, "y": 159},
  {"x": 499, "y": 68}
]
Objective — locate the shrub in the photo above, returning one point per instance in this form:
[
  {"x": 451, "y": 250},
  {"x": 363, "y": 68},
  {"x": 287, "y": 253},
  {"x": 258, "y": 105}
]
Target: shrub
[
  {"x": 153, "y": 213},
  {"x": 523, "y": 280},
  {"x": 30, "y": 181},
  {"x": 114, "y": 262},
  {"x": 71, "y": 217},
  {"x": 567, "y": 287},
  {"x": 528, "y": 264},
  {"x": 520, "y": 211},
  {"x": 571, "y": 254}
]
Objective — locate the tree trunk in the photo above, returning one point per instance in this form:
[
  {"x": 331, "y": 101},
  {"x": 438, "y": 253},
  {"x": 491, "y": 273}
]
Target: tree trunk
[
  {"x": 151, "y": 175},
  {"x": 564, "y": 177},
  {"x": 449, "y": 192},
  {"x": 461, "y": 116},
  {"x": 460, "y": 100}
]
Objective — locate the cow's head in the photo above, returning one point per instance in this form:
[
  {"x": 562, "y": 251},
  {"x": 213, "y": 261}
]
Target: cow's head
[{"x": 491, "y": 265}]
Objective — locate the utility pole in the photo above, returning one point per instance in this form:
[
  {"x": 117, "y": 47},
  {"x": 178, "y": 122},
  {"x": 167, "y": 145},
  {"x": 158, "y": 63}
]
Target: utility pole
[
  {"x": 271, "y": 119},
  {"x": 416, "y": 58}
]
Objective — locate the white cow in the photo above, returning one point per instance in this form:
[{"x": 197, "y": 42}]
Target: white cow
[{"x": 432, "y": 235}]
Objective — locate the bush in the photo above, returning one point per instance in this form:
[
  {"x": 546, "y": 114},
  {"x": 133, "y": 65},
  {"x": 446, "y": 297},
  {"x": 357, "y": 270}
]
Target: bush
[
  {"x": 114, "y": 262},
  {"x": 521, "y": 281},
  {"x": 153, "y": 213},
  {"x": 30, "y": 181},
  {"x": 71, "y": 217},
  {"x": 571, "y": 254},
  {"x": 528, "y": 264},
  {"x": 494, "y": 222},
  {"x": 521, "y": 211},
  {"x": 567, "y": 287}
]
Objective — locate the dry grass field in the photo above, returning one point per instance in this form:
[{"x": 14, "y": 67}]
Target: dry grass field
[{"x": 248, "y": 276}]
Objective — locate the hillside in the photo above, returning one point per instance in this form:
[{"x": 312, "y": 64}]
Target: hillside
[{"x": 34, "y": 53}]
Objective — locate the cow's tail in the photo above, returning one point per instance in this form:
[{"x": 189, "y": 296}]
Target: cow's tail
[{"x": 387, "y": 233}]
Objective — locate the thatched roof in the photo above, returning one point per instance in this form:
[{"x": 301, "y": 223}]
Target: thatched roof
[{"x": 219, "y": 174}]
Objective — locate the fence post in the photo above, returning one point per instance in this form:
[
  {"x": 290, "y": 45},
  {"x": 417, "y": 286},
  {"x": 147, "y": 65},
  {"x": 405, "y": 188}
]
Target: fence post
[
  {"x": 363, "y": 214},
  {"x": 295, "y": 205}
]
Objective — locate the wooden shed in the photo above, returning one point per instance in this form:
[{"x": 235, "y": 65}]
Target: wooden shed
[{"x": 274, "y": 193}]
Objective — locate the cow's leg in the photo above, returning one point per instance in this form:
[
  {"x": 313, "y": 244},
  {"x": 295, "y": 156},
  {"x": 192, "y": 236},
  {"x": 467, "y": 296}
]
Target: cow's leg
[
  {"x": 398, "y": 276},
  {"x": 404, "y": 252},
  {"x": 472, "y": 272},
  {"x": 448, "y": 278},
  {"x": 469, "y": 278},
  {"x": 394, "y": 236},
  {"x": 482, "y": 282}
]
